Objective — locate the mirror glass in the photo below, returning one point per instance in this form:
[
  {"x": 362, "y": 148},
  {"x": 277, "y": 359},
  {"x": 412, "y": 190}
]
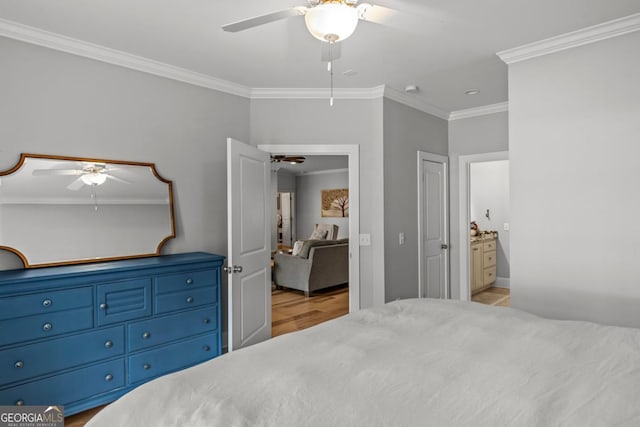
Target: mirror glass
[{"x": 67, "y": 210}]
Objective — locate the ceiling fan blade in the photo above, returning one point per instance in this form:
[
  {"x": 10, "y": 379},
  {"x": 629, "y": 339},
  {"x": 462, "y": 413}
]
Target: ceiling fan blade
[
  {"x": 336, "y": 51},
  {"x": 57, "y": 172},
  {"x": 76, "y": 184},
  {"x": 264, "y": 19},
  {"x": 115, "y": 178},
  {"x": 377, "y": 14}
]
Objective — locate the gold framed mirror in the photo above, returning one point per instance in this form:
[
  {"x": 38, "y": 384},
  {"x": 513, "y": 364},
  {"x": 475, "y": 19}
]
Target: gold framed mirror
[{"x": 57, "y": 210}]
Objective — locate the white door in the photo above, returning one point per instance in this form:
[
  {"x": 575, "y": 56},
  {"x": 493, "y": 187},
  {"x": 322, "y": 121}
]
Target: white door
[
  {"x": 432, "y": 223},
  {"x": 249, "y": 240}
]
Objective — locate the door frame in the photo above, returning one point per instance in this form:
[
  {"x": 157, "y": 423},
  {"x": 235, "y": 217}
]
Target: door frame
[
  {"x": 422, "y": 156},
  {"x": 464, "y": 219},
  {"x": 352, "y": 151}
]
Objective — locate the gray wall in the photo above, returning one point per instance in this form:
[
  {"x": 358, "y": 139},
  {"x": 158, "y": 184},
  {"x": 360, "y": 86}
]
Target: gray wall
[
  {"x": 575, "y": 194},
  {"x": 57, "y": 103},
  {"x": 489, "y": 189},
  {"x": 309, "y": 206},
  {"x": 406, "y": 130},
  {"x": 347, "y": 122},
  {"x": 474, "y": 135}
]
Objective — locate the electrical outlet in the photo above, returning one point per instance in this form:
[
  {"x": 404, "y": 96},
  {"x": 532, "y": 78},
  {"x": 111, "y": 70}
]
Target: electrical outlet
[
  {"x": 505, "y": 226},
  {"x": 365, "y": 240},
  {"x": 401, "y": 238}
]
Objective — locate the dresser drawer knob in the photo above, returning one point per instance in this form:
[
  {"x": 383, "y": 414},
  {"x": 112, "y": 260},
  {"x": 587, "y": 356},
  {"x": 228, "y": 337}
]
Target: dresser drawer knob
[
  {"x": 103, "y": 306},
  {"x": 146, "y": 366},
  {"x": 19, "y": 402},
  {"x": 47, "y": 303},
  {"x": 108, "y": 377},
  {"x": 146, "y": 335},
  {"x": 189, "y": 281},
  {"x": 19, "y": 364},
  {"x": 108, "y": 344},
  {"x": 206, "y": 348},
  {"x": 47, "y": 327},
  {"x": 189, "y": 300},
  {"x": 206, "y": 320}
]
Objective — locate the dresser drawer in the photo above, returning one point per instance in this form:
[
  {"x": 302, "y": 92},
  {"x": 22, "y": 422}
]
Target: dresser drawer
[
  {"x": 186, "y": 299},
  {"x": 45, "y": 325},
  {"x": 121, "y": 301},
  {"x": 489, "y": 259},
  {"x": 489, "y": 275},
  {"x": 153, "y": 332},
  {"x": 28, "y": 361},
  {"x": 67, "y": 388},
  {"x": 44, "y": 302},
  {"x": 183, "y": 281},
  {"x": 167, "y": 359},
  {"x": 489, "y": 246}
]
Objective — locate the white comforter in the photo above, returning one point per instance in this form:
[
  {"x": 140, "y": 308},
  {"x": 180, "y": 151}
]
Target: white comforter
[{"x": 409, "y": 363}]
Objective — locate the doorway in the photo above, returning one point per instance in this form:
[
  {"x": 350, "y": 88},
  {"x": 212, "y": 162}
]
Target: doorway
[
  {"x": 352, "y": 153},
  {"x": 484, "y": 205}
]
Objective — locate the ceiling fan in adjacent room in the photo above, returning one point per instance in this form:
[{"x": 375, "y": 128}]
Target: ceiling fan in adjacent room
[
  {"x": 87, "y": 173},
  {"x": 288, "y": 159}
]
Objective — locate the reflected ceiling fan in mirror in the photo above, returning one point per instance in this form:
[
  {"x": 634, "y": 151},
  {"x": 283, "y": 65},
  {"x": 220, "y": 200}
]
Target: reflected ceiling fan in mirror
[
  {"x": 91, "y": 174},
  {"x": 330, "y": 21}
]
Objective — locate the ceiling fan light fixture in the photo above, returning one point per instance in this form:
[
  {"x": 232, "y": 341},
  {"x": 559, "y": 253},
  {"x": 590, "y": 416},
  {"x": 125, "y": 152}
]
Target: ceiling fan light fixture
[
  {"x": 94, "y": 178},
  {"x": 332, "y": 21}
]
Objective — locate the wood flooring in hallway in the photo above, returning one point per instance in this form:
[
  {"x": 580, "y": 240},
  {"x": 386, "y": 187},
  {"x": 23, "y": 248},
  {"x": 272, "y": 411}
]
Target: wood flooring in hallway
[{"x": 494, "y": 296}]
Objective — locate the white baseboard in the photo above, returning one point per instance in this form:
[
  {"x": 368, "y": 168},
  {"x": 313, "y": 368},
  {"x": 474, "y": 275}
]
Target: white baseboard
[{"x": 502, "y": 282}]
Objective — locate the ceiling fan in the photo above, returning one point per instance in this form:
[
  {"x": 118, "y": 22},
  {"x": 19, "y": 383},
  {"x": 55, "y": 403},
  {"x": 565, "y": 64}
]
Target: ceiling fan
[
  {"x": 330, "y": 21},
  {"x": 327, "y": 20},
  {"x": 88, "y": 174},
  {"x": 288, "y": 159}
]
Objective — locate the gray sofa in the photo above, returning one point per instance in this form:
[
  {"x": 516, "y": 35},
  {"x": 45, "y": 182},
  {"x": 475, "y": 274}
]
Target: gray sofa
[{"x": 320, "y": 264}]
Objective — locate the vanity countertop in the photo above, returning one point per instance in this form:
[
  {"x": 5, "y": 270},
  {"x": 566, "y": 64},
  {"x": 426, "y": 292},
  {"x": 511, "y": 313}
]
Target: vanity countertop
[{"x": 484, "y": 236}]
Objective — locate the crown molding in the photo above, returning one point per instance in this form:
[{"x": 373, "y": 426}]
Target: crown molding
[
  {"x": 479, "y": 111},
  {"x": 317, "y": 93},
  {"x": 592, "y": 34},
  {"x": 413, "y": 102},
  {"x": 323, "y": 172},
  {"x": 39, "y": 37},
  {"x": 77, "y": 47}
]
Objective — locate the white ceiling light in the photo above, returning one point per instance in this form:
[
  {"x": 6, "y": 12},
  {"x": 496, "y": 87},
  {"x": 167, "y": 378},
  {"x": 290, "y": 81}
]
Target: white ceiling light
[
  {"x": 332, "y": 21},
  {"x": 94, "y": 178},
  {"x": 472, "y": 92}
]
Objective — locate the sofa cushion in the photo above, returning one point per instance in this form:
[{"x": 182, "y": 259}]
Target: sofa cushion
[
  {"x": 318, "y": 235},
  {"x": 308, "y": 244}
]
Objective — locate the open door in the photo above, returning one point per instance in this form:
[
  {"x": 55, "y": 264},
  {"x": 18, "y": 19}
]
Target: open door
[{"x": 249, "y": 244}]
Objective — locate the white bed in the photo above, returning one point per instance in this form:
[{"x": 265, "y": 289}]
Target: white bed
[{"x": 409, "y": 363}]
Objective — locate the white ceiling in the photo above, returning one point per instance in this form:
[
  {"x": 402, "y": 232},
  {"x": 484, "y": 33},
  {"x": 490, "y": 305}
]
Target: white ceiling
[{"x": 443, "y": 46}]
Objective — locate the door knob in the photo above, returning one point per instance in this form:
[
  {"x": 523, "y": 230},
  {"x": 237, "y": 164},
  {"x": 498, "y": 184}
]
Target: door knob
[
  {"x": 444, "y": 246},
  {"x": 231, "y": 270}
]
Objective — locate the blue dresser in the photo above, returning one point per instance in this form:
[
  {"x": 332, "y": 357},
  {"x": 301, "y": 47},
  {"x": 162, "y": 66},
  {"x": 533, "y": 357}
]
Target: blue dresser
[{"x": 81, "y": 336}]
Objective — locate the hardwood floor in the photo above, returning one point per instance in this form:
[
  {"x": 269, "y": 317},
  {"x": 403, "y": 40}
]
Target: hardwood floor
[
  {"x": 494, "y": 296},
  {"x": 290, "y": 311},
  {"x": 81, "y": 418}
]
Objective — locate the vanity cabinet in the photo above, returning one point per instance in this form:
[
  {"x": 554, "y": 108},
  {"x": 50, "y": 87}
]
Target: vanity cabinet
[
  {"x": 483, "y": 263},
  {"x": 83, "y": 335}
]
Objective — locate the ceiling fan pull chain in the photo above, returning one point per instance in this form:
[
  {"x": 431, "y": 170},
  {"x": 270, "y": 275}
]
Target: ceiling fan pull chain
[{"x": 331, "y": 70}]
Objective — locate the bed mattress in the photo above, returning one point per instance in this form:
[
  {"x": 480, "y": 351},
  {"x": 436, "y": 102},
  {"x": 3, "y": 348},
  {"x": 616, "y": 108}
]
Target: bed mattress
[{"x": 414, "y": 362}]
